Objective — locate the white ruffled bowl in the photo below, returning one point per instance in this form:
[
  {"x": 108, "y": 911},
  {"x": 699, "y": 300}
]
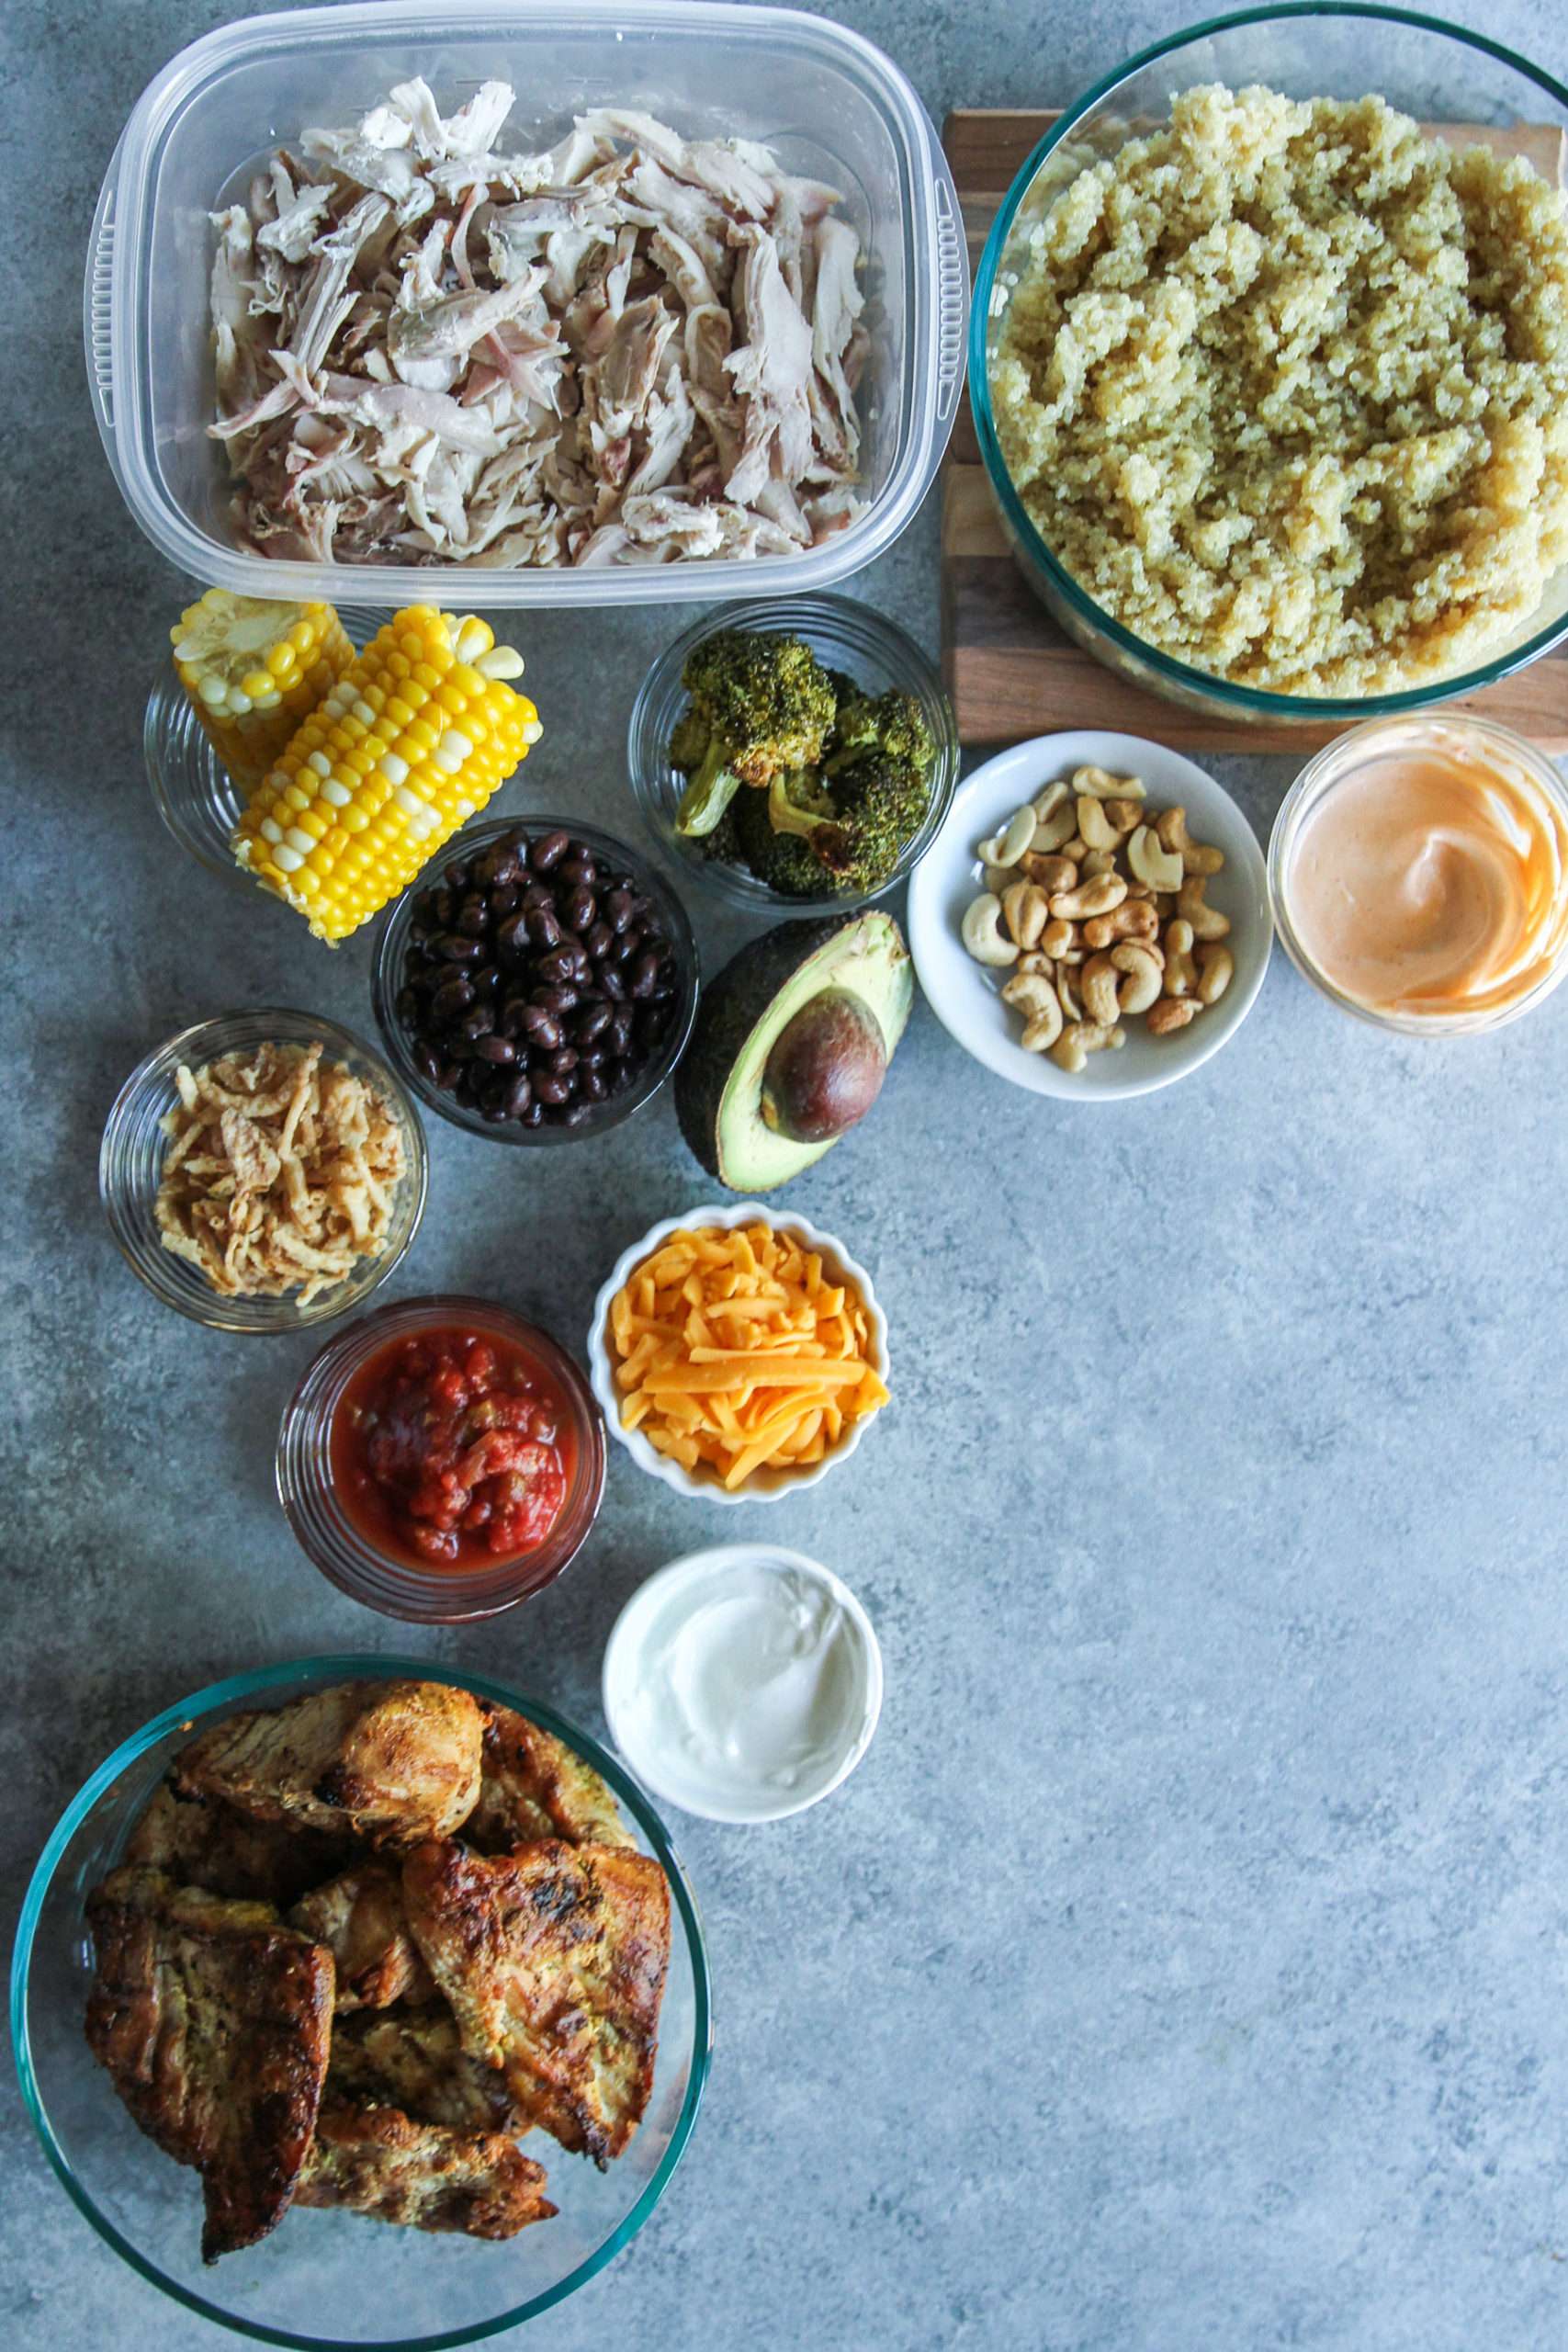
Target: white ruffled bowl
[{"x": 762, "y": 1486}]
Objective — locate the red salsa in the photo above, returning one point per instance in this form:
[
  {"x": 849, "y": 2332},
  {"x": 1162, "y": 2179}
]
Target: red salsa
[{"x": 453, "y": 1449}]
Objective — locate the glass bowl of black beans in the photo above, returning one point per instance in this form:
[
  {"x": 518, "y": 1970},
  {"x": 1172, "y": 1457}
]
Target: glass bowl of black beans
[{"x": 542, "y": 987}]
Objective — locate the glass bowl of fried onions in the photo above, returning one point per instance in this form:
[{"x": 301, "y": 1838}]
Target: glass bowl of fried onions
[{"x": 721, "y": 1420}]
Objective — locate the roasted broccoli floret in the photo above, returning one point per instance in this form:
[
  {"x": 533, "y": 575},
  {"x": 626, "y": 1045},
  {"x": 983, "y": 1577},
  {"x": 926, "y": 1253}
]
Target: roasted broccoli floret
[
  {"x": 784, "y": 862},
  {"x": 880, "y": 803},
  {"x": 760, "y": 705},
  {"x": 893, "y": 723}
]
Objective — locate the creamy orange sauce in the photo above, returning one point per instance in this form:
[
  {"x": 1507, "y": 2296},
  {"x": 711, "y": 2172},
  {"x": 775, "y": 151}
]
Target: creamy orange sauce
[{"x": 1430, "y": 880}]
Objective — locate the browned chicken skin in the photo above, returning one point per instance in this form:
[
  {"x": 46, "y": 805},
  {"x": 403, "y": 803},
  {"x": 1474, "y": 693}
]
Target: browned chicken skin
[
  {"x": 392, "y": 1762},
  {"x": 533, "y": 1786},
  {"x": 553, "y": 1959},
  {"x": 378, "y": 2161},
  {"x": 202, "y": 1842},
  {"x": 213, "y": 2020},
  {"x": 412, "y": 2059},
  {"x": 359, "y": 1917}
]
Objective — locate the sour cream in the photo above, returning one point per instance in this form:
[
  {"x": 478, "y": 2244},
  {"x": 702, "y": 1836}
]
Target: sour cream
[{"x": 743, "y": 1683}]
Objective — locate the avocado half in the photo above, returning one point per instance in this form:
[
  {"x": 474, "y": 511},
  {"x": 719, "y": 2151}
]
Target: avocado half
[{"x": 723, "y": 1099}]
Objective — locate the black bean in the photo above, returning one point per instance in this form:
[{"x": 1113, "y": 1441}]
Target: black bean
[
  {"x": 454, "y": 996},
  {"x": 537, "y": 894},
  {"x": 428, "y": 1062},
  {"x": 644, "y": 976},
  {"x": 558, "y": 997},
  {"x": 591, "y": 1021},
  {"x": 500, "y": 1050},
  {"x": 579, "y": 1115},
  {"x": 579, "y": 871},
  {"x": 581, "y": 909},
  {"x": 551, "y": 1090},
  {"x": 563, "y": 1060},
  {"x": 448, "y": 1075},
  {"x": 502, "y": 900},
  {"x": 619, "y": 1034},
  {"x": 652, "y": 1020},
  {"x": 486, "y": 980},
  {"x": 513, "y": 937},
  {"x": 473, "y": 918},
  {"x": 443, "y": 906},
  {"x": 598, "y": 938},
  {"x": 627, "y": 944},
  {"x": 513, "y": 1012},
  {"x": 559, "y": 963},
  {"x": 534, "y": 1116},
  {"x": 613, "y": 984},
  {"x": 453, "y": 948},
  {"x": 591, "y": 1086},
  {"x": 548, "y": 851},
  {"x": 543, "y": 1029},
  {"x": 477, "y": 1023},
  {"x": 519, "y": 1094},
  {"x": 543, "y": 927},
  {"x": 591, "y": 1057},
  {"x": 620, "y": 908}
]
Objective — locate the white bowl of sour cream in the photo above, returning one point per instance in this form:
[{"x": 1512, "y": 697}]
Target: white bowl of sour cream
[{"x": 743, "y": 1683}]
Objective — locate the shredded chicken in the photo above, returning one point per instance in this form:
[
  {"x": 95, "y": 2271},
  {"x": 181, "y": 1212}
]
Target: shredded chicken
[{"x": 627, "y": 349}]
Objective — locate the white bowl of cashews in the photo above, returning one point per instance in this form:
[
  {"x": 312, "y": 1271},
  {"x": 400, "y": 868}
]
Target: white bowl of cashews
[{"x": 1092, "y": 922}]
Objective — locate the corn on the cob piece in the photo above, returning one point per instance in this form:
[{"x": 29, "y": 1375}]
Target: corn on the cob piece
[
  {"x": 252, "y": 671},
  {"x": 410, "y": 743}
]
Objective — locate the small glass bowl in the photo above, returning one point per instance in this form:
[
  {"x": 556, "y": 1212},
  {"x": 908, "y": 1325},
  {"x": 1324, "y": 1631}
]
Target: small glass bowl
[
  {"x": 194, "y": 792},
  {"x": 391, "y": 952},
  {"x": 131, "y": 1160},
  {"x": 1438, "y": 72},
  {"x": 330, "y": 1539},
  {"x": 1318, "y": 779},
  {"x": 853, "y": 638},
  {"x": 315, "y": 2280}
]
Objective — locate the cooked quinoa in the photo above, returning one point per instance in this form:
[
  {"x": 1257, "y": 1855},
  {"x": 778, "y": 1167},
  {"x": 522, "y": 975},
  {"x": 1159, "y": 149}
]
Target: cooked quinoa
[{"x": 1285, "y": 388}]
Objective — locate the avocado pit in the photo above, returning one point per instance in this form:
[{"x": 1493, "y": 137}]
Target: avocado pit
[{"x": 826, "y": 1068}]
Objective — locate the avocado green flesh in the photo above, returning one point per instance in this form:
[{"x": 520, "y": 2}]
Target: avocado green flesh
[{"x": 719, "y": 1084}]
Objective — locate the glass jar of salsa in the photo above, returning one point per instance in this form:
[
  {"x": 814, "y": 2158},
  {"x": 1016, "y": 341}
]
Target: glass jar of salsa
[{"x": 442, "y": 1459}]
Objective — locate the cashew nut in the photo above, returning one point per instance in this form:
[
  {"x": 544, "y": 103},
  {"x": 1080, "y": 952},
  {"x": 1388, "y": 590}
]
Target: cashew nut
[
  {"x": 1141, "y": 967},
  {"x": 1207, "y": 921},
  {"x": 1216, "y": 969},
  {"x": 1159, "y": 867},
  {"x": 1094, "y": 824},
  {"x": 980, "y": 934},
  {"x": 1048, "y": 799},
  {"x": 1067, "y": 992},
  {"x": 1196, "y": 857},
  {"x": 1051, "y": 873},
  {"x": 1098, "y": 860},
  {"x": 1031, "y": 960},
  {"x": 1171, "y": 1012},
  {"x": 1097, "y": 990},
  {"x": 1124, "y": 814},
  {"x": 1081, "y": 1039},
  {"x": 1181, "y": 972},
  {"x": 1074, "y": 847},
  {"x": 1058, "y": 937},
  {"x": 1024, "y": 910},
  {"x": 1053, "y": 832},
  {"x": 1102, "y": 785},
  {"x": 1095, "y": 898},
  {"x": 1133, "y": 918},
  {"x": 1032, "y": 995},
  {"x": 998, "y": 878},
  {"x": 1005, "y": 848}
]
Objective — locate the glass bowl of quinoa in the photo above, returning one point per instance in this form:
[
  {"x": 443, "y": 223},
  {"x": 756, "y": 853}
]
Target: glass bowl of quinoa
[{"x": 1268, "y": 363}]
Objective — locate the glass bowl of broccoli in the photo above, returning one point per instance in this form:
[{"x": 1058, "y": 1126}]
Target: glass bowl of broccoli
[{"x": 797, "y": 753}]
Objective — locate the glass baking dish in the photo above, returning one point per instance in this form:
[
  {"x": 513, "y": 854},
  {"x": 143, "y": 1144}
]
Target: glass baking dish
[{"x": 830, "y": 104}]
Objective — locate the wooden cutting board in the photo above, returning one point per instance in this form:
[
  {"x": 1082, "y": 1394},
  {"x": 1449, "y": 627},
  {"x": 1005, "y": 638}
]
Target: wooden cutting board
[{"x": 1010, "y": 671}]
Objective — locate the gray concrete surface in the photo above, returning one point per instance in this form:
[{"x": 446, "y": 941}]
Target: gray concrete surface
[{"x": 1183, "y": 1972}]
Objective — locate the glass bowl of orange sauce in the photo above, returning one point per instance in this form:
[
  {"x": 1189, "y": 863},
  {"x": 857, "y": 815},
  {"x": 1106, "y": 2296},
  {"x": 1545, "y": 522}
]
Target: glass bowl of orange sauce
[{"x": 1419, "y": 870}]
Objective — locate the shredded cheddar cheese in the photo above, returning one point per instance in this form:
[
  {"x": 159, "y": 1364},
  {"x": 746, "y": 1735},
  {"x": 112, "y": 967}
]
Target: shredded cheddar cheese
[{"x": 735, "y": 1351}]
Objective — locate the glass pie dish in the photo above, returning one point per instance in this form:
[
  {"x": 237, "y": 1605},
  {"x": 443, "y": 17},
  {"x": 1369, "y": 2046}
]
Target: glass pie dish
[
  {"x": 325, "y": 2279},
  {"x": 1439, "y": 74}
]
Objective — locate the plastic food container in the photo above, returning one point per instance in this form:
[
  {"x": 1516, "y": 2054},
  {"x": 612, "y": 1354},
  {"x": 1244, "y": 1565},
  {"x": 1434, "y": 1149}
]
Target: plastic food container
[
  {"x": 1438, "y": 73},
  {"x": 828, "y": 102},
  {"x": 392, "y": 960},
  {"x": 852, "y": 637},
  {"x": 327, "y": 2280},
  {"x": 131, "y": 1163},
  {"x": 334, "y": 1539}
]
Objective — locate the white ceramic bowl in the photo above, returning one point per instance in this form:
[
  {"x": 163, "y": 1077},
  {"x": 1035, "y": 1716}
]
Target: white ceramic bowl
[
  {"x": 630, "y": 1661},
  {"x": 765, "y": 1487},
  {"x": 966, "y": 996}
]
